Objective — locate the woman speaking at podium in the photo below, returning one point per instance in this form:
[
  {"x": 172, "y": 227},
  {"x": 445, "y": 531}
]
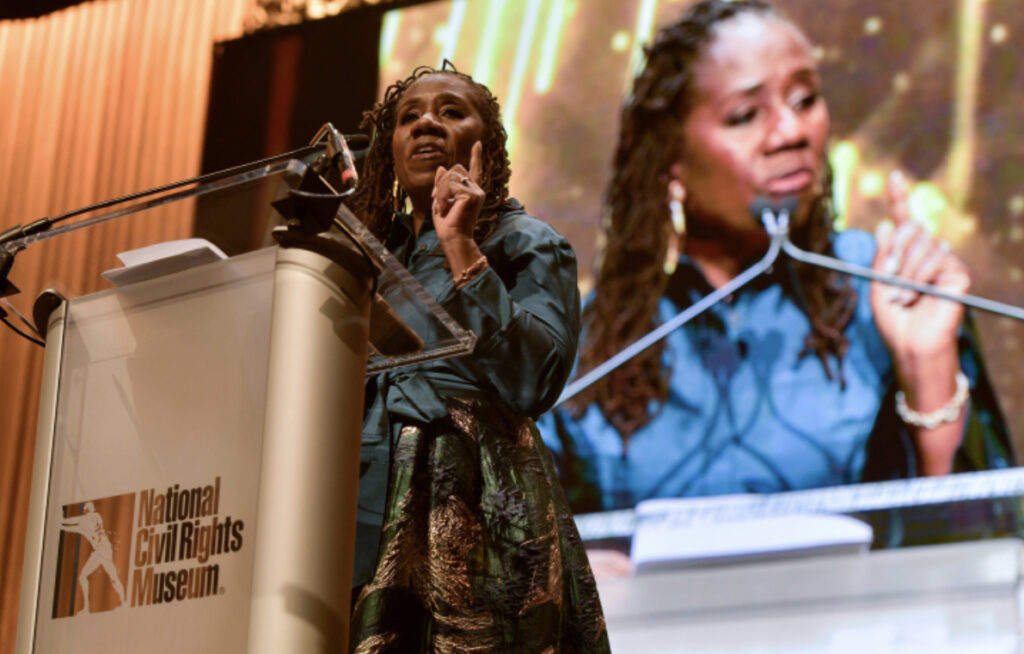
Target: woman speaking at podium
[
  {"x": 477, "y": 550},
  {"x": 804, "y": 378}
]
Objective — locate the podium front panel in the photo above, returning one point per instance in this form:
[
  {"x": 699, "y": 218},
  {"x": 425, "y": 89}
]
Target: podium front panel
[{"x": 151, "y": 508}]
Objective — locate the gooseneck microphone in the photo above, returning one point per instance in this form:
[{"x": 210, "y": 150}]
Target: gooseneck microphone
[
  {"x": 782, "y": 209},
  {"x": 337, "y": 150},
  {"x": 774, "y": 216},
  {"x": 328, "y": 140}
]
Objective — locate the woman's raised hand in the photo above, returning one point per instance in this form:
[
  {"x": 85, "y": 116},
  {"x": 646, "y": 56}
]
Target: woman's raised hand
[
  {"x": 915, "y": 325},
  {"x": 921, "y": 330},
  {"x": 458, "y": 198}
]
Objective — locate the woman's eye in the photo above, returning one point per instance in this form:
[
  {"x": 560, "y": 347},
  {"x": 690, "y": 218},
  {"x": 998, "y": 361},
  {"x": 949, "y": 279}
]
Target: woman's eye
[
  {"x": 806, "y": 100},
  {"x": 407, "y": 117},
  {"x": 452, "y": 112},
  {"x": 741, "y": 117}
]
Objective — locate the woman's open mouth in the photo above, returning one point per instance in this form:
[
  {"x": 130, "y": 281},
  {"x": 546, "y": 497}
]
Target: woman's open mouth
[
  {"x": 793, "y": 182},
  {"x": 430, "y": 152}
]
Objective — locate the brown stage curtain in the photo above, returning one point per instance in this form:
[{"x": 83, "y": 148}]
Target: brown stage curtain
[{"x": 96, "y": 101}]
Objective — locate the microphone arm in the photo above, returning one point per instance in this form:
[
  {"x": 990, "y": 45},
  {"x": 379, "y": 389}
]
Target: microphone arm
[
  {"x": 18, "y": 232},
  {"x": 335, "y": 146},
  {"x": 335, "y": 149},
  {"x": 841, "y": 266},
  {"x": 777, "y": 226}
]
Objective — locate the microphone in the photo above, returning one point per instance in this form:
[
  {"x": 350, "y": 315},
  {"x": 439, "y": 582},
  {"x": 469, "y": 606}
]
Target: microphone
[
  {"x": 339, "y": 146},
  {"x": 338, "y": 153},
  {"x": 764, "y": 208}
]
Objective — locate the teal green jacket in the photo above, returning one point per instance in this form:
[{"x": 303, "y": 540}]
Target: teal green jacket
[{"x": 525, "y": 311}]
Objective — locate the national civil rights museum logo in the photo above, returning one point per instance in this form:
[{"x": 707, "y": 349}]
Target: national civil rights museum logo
[
  {"x": 143, "y": 548},
  {"x": 92, "y": 559}
]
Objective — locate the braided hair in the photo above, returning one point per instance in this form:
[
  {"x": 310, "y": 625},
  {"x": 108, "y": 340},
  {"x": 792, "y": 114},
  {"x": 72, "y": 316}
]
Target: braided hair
[
  {"x": 631, "y": 276},
  {"x": 378, "y": 195}
]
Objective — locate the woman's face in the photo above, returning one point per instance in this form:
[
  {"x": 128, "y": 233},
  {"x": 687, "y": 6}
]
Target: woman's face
[
  {"x": 437, "y": 123},
  {"x": 758, "y": 124}
]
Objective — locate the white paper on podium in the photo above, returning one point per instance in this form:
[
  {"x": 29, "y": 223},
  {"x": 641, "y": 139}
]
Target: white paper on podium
[
  {"x": 162, "y": 259},
  {"x": 664, "y": 541}
]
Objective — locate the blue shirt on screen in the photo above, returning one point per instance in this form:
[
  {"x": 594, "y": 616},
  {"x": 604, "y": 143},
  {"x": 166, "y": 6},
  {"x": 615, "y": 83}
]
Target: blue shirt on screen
[{"x": 747, "y": 414}]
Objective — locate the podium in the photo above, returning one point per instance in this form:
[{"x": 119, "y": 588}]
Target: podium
[
  {"x": 944, "y": 573},
  {"x": 197, "y": 457},
  {"x": 961, "y": 598}
]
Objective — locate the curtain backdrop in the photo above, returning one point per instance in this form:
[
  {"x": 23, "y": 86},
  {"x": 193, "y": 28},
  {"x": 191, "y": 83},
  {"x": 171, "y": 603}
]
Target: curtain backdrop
[{"x": 99, "y": 100}]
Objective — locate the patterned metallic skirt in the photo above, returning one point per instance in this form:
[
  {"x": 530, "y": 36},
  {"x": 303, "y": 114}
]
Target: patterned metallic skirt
[{"x": 479, "y": 552}]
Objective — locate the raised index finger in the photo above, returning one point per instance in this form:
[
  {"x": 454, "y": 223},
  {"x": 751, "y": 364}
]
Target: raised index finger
[
  {"x": 898, "y": 194},
  {"x": 476, "y": 162},
  {"x": 907, "y": 231}
]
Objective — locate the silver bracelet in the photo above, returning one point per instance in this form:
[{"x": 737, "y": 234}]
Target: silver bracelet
[{"x": 939, "y": 416}]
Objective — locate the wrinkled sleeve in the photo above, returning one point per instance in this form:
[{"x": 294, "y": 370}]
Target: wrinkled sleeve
[
  {"x": 986, "y": 443},
  {"x": 525, "y": 310}
]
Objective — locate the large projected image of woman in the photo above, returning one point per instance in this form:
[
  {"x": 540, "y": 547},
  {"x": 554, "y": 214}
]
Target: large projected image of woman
[{"x": 803, "y": 379}]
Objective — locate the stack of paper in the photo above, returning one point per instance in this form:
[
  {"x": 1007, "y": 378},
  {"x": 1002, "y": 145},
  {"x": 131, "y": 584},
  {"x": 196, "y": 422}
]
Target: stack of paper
[
  {"x": 162, "y": 259},
  {"x": 665, "y": 539}
]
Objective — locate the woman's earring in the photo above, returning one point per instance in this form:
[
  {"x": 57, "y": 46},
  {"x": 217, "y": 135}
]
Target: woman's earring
[
  {"x": 397, "y": 202},
  {"x": 676, "y": 194},
  {"x": 675, "y": 207}
]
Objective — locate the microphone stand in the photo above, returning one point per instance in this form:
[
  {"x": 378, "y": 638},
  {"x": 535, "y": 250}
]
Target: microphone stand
[
  {"x": 839, "y": 265},
  {"x": 777, "y": 226},
  {"x": 333, "y": 146},
  {"x": 17, "y": 238}
]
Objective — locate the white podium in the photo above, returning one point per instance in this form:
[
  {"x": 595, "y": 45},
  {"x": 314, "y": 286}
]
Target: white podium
[
  {"x": 961, "y": 598},
  {"x": 945, "y": 576}
]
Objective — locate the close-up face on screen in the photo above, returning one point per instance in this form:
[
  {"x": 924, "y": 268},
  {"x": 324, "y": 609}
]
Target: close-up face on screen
[{"x": 929, "y": 89}]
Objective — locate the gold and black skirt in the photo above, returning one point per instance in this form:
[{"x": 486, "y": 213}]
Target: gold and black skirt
[{"x": 479, "y": 552}]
